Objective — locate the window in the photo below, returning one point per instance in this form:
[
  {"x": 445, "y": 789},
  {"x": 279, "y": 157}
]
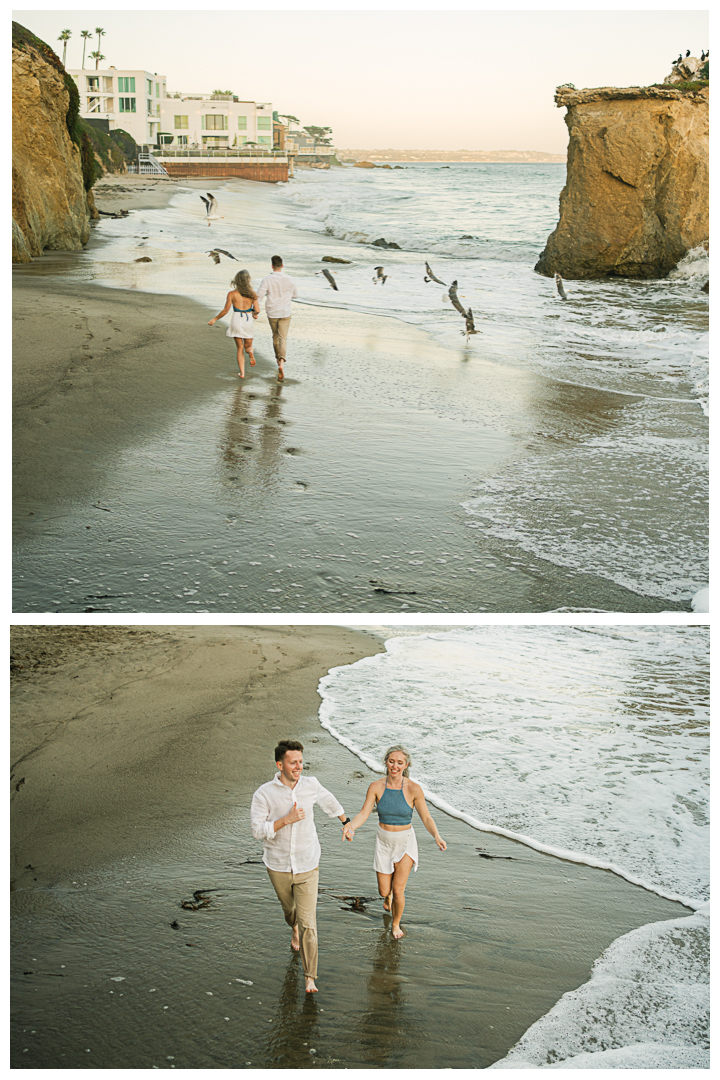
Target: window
[
  {"x": 127, "y": 104},
  {"x": 215, "y": 123},
  {"x": 109, "y": 105},
  {"x": 264, "y": 123},
  {"x": 264, "y": 140},
  {"x": 93, "y": 82},
  {"x": 149, "y": 87},
  {"x": 242, "y": 123},
  {"x": 241, "y": 140},
  {"x": 181, "y": 122},
  {"x": 181, "y": 140},
  {"x": 127, "y": 86}
]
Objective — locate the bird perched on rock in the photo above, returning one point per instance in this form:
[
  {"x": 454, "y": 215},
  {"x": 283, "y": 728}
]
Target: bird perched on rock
[
  {"x": 380, "y": 275},
  {"x": 217, "y": 252},
  {"x": 560, "y": 287},
  {"x": 687, "y": 54},
  {"x": 331, "y": 279},
  {"x": 210, "y": 206},
  {"x": 431, "y": 276}
]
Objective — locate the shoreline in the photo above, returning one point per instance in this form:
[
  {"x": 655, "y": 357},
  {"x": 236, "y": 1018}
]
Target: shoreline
[
  {"x": 136, "y": 376},
  {"x": 170, "y": 814}
]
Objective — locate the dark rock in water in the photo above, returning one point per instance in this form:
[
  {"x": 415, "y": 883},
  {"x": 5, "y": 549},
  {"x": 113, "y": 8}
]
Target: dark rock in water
[
  {"x": 706, "y": 286},
  {"x": 392, "y": 244},
  {"x": 145, "y": 258},
  {"x": 398, "y": 166},
  {"x": 331, "y": 258},
  {"x": 383, "y": 243},
  {"x": 467, "y": 237}
]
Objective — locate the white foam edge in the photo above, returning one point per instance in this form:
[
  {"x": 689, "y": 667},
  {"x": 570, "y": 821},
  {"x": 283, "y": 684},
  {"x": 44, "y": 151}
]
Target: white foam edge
[{"x": 482, "y": 826}]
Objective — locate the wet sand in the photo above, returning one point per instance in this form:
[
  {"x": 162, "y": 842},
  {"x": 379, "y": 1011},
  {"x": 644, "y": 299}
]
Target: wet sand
[
  {"x": 138, "y": 750},
  {"x": 142, "y": 461}
]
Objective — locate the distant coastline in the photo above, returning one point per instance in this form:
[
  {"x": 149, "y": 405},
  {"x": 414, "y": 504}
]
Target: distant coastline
[{"x": 501, "y": 156}]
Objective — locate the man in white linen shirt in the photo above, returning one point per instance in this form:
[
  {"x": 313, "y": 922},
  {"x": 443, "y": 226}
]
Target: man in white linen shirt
[
  {"x": 281, "y": 816},
  {"x": 279, "y": 290}
]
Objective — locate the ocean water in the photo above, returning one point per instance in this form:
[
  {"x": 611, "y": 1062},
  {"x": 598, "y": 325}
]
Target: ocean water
[
  {"x": 589, "y": 743},
  {"x": 622, "y": 495}
]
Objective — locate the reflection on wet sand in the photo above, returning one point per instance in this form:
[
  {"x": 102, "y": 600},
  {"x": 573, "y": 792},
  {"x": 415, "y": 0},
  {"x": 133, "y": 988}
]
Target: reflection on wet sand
[
  {"x": 253, "y": 443},
  {"x": 386, "y": 1030},
  {"x": 293, "y": 1024}
]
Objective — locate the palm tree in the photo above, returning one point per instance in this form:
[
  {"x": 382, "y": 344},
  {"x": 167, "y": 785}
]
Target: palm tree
[
  {"x": 97, "y": 56},
  {"x": 85, "y": 34},
  {"x": 99, "y": 31},
  {"x": 65, "y": 36}
]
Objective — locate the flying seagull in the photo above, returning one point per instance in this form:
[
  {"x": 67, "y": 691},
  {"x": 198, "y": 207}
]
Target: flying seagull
[
  {"x": 331, "y": 279},
  {"x": 380, "y": 275},
  {"x": 452, "y": 293},
  {"x": 560, "y": 287},
  {"x": 210, "y": 206},
  {"x": 217, "y": 252},
  {"x": 431, "y": 276}
]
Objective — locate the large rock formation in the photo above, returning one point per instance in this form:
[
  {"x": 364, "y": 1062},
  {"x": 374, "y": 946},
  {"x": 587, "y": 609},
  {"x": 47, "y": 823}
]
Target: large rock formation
[
  {"x": 49, "y": 202},
  {"x": 636, "y": 196}
]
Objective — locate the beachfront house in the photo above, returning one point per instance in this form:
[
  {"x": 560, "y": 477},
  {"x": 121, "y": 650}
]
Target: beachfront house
[
  {"x": 122, "y": 98},
  {"x": 217, "y": 121}
]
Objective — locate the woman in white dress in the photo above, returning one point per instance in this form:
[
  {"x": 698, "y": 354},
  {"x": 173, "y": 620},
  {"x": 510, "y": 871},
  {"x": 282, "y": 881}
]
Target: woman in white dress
[
  {"x": 396, "y": 850},
  {"x": 245, "y": 309}
]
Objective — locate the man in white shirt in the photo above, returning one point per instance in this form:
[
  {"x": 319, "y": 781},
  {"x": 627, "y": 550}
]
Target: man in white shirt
[
  {"x": 279, "y": 290},
  {"x": 282, "y": 817}
]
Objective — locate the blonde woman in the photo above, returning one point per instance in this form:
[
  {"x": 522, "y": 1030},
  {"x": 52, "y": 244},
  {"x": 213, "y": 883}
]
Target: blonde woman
[
  {"x": 396, "y": 850},
  {"x": 245, "y": 307}
]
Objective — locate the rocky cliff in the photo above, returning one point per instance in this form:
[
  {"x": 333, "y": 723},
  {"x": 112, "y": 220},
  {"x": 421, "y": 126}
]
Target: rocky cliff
[
  {"x": 50, "y": 206},
  {"x": 636, "y": 196}
]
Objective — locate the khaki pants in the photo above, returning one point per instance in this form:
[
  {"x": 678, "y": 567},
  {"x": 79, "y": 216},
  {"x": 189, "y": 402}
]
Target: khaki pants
[
  {"x": 298, "y": 895},
  {"x": 279, "y": 329}
]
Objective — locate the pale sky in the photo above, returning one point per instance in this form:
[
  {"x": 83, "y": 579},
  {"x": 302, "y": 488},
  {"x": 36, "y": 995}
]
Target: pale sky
[{"x": 402, "y": 79}]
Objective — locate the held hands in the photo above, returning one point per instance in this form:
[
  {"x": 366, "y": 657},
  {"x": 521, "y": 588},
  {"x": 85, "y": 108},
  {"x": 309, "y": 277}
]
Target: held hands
[
  {"x": 296, "y": 814},
  {"x": 348, "y": 833}
]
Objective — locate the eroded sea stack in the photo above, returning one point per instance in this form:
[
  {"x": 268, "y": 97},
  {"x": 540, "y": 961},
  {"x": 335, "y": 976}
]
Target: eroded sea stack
[
  {"x": 50, "y": 205},
  {"x": 636, "y": 196}
]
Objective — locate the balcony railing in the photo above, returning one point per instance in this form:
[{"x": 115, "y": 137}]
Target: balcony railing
[
  {"x": 213, "y": 152},
  {"x": 187, "y": 95}
]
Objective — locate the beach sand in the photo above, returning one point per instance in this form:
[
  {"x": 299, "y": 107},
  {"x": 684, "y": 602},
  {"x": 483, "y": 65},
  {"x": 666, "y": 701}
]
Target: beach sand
[
  {"x": 135, "y": 754},
  {"x": 141, "y": 459}
]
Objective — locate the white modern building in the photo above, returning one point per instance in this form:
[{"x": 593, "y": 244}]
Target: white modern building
[
  {"x": 215, "y": 122},
  {"x": 127, "y": 99},
  {"x": 138, "y": 102}
]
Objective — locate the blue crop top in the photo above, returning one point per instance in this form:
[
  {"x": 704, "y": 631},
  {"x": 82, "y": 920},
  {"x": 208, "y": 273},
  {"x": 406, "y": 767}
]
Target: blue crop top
[{"x": 393, "y": 808}]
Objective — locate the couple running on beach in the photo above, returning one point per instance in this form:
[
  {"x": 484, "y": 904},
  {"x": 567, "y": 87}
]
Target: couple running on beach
[
  {"x": 282, "y": 817},
  {"x": 279, "y": 290}
]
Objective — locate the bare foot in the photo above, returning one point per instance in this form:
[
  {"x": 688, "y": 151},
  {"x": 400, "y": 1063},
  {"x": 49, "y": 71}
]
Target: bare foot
[
  {"x": 241, "y": 375},
  {"x": 310, "y": 987},
  {"x": 281, "y": 373},
  {"x": 252, "y": 361},
  {"x": 295, "y": 939},
  {"x": 397, "y": 932},
  {"x": 387, "y": 902}
]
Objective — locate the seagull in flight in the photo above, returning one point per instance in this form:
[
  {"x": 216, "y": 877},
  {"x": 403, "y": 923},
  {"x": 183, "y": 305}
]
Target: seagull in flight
[
  {"x": 217, "y": 252},
  {"x": 211, "y": 206}
]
